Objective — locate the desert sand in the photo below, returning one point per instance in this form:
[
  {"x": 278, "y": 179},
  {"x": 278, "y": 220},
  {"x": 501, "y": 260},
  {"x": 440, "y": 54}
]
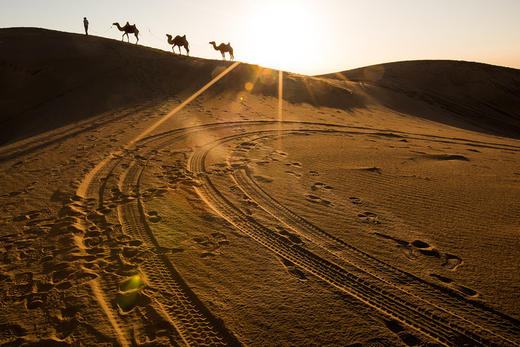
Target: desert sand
[{"x": 377, "y": 206}]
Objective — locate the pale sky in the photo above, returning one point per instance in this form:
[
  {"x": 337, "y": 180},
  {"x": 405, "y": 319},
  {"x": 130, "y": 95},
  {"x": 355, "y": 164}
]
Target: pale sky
[{"x": 304, "y": 36}]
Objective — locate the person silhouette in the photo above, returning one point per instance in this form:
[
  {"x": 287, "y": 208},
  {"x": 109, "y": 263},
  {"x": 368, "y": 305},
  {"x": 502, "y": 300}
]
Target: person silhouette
[{"x": 85, "y": 24}]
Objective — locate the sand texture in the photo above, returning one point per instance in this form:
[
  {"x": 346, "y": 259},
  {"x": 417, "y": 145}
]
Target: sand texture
[{"x": 372, "y": 207}]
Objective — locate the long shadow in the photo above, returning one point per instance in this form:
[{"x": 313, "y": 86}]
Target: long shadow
[{"x": 58, "y": 78}]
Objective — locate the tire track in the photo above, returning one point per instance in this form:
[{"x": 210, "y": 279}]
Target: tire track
[
  {"x": 195, "y": 323},
  {"x": 437, "y": 296},
  {"x": 438, "y": 325}
]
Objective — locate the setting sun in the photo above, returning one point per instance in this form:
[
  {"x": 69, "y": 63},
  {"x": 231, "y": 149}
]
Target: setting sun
[{"x": 286, "y": 34}]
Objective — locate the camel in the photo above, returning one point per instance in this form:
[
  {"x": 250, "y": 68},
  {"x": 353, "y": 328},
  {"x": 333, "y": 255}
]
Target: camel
[
  {"x": 223, "y": 48},
  {"x": 179, "y": 41},
  {"x": 128, "y": 29}
]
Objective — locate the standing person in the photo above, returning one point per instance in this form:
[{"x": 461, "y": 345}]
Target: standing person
[{"x": 85, "y": 24}]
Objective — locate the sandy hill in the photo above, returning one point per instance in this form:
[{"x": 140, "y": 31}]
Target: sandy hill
[
  {"x": 473, "y": 95},
  {"x": 57, "y": 78},
  {"x": 372, "y": 207},
  {"x": 53, "y": 78}
]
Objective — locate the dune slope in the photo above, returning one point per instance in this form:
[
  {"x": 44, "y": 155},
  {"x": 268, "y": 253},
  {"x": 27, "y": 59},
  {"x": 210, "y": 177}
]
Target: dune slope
[
  {"x": 471, "y": 95},
  {"x": 57, "y": 78}
]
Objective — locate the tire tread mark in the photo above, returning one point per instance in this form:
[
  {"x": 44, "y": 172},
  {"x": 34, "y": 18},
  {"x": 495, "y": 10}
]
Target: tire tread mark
[
  {"x": 369, "y": 263},
  {"x": 439, "y": 329},
  {"x": 192, "y": 319}
]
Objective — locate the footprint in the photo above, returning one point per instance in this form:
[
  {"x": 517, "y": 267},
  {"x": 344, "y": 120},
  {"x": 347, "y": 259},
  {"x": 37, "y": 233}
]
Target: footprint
[
  {"x": 154, "y": 217},
  {"x": 317, "y": 200},
  {"x": 369, "y": 217},
  {"x": 319, "y": 185},
  {"x": 298, "y": 274},
  {"x": 426, "y": 249},
  {"x": 35, "y": 300},
  {"x": 263, "y": 179},
  {"x": 294, "y": 173},
  {"x": 314, "y": 173},
  {"x": 291, "y": 236},
  {"x": 371, "y": 169},
  {"x": 408, "y": 339},
  {"x": 263, "y": 162},
  {"x": 293, "y": 270},
  {"x": 130, "y": 252},
  {"x": 420, "y": 244},
  {"x": 452, "y": 262},
  {"x": 461, "y": 289},
  {"x": 355, "y": 201},
  {"x": 294, "y": 164},
  {"x": 221, "y": 239},
  {"x": 218, "y": 236}
]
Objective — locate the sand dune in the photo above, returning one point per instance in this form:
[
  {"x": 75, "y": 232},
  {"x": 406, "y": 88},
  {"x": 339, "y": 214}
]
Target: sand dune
[
  {"x": 475, "y": 96},
  {"x": 380, "y": 207}
]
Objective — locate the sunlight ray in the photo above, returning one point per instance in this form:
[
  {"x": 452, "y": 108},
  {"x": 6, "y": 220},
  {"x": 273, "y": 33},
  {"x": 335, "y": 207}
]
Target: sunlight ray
[
  {"x": 181, "y": 106},
  {"x": 280, "y": 108}
]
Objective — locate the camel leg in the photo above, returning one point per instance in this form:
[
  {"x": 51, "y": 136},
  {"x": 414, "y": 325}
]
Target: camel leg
[
  {"x": 123, "y": 37},
  {"x": 223, "y": 56},
  {"x": 137, "y": 37}
]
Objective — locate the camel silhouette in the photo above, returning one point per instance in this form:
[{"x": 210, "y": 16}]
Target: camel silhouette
[
  {"x": 223, "y": 48},
  {"x": 179, "y": 41},
  {"x": 128, "y": 29}
]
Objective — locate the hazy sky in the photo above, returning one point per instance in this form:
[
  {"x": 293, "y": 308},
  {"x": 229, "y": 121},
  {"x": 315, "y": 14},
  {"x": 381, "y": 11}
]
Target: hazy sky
[{"x": 305, "y": 36}]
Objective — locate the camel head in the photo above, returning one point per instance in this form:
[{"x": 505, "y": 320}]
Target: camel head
[
  {"x": 168, "y": 36},
  {"x": 212, "y": 42},
  {"x": 116, "y": 23}
]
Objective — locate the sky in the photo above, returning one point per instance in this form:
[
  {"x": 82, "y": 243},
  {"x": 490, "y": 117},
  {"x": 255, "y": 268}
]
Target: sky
[{"x": 303, "y": 36}]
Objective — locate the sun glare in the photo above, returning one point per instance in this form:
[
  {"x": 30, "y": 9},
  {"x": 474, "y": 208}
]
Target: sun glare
[{"x": 283, "y": 35}]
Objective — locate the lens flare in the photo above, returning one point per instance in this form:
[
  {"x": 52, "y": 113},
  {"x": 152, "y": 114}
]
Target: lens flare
[
  {"x": 184, "y": 103},
  {"x": 280, "y": 108}
]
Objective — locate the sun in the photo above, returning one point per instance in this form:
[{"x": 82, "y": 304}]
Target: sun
[{"x": 283, "y": 35}]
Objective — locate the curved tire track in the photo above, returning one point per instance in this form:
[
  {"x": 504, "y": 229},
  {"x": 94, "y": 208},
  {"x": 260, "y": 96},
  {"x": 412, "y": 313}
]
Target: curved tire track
[
  {"x": 440, "y": 324},
  {"x": 438, "y": 298},
  {"x": 185, "y": 311}
]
